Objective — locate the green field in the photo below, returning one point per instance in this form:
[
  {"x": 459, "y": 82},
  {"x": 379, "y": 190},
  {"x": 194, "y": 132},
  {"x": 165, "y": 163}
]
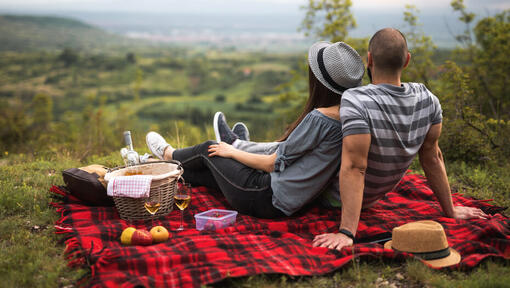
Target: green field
[{"x": 154, "y": 90}]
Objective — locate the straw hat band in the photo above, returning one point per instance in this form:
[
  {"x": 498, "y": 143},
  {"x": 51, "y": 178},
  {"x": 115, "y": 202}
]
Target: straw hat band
[
  {"x": 325, "y": 74},
  {"x": 430, "y": 255}
]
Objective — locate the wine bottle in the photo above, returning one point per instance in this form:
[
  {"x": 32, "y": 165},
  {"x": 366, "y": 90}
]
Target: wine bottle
[
  {"x": 131, "y": 156},
  {"x": 128, "y": 140}
]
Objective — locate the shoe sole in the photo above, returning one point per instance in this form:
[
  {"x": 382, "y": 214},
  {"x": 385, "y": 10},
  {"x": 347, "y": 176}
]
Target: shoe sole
[
  {"x": 215, "y": 127},
  {"x": 245, "y": 128}
]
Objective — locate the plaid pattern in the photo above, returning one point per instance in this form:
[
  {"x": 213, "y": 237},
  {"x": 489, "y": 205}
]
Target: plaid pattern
[
  {"x": 136, "y": 186},
  {"x": 192, "y": 258}
]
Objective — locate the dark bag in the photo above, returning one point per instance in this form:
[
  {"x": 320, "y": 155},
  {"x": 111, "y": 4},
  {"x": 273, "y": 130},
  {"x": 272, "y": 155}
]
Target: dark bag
[{"x": 87, "y": 184}]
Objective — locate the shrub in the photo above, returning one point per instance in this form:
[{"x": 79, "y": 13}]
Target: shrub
[{"x": 220, "y": 98}]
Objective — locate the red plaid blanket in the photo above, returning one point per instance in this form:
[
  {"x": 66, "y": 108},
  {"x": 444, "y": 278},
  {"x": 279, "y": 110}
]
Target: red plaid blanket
[{"x": 192, "y": 258}]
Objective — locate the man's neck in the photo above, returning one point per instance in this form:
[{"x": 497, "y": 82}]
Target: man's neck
[
  {"x": 387, "y": 80},
  {"x": 383, "y": 78}
]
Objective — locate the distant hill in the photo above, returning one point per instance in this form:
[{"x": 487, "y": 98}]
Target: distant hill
[{"x": 31, "y": 33}]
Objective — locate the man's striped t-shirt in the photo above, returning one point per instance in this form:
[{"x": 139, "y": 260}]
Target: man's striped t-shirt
[{"x": 398, "y": 120}]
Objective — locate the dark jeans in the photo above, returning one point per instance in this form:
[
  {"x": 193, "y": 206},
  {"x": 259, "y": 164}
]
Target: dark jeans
[{"x": 246, "y": 189}]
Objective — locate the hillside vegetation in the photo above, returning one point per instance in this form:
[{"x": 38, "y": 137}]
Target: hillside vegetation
[
  {"x": 41, "y": 33},
  {"x": 81, "y": 103}
]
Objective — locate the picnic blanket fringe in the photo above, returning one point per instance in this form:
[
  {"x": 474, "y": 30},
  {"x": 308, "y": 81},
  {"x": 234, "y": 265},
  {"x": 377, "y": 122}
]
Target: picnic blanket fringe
[
  {"x": 76, "y": 256},
  {"x": 73, "y": 252}
]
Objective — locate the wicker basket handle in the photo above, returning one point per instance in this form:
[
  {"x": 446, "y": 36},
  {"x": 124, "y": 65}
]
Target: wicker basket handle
[{"x": 176, "y": 172}]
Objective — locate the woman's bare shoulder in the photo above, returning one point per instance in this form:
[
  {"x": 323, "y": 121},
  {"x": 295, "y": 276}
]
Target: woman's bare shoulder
[{"x": 331, "y": 112}]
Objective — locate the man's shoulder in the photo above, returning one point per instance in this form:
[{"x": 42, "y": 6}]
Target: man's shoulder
[
  {"x": 417, "y": 87},
  {"x": 356, "y": 94},
  {"x": 361, "y": 89},
  {"x": 368, "y": 92}
]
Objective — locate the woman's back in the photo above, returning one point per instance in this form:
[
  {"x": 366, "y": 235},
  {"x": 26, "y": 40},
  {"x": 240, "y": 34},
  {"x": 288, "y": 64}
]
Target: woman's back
[{"x": 307, "y": 160}]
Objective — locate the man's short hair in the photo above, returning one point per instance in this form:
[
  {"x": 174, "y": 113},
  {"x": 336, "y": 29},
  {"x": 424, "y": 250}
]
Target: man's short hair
[{"x": 388, "y": 48}]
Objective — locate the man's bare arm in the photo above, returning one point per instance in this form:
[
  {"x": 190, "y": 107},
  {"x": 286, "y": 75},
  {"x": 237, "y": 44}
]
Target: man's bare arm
[
  {"x": 352, "y": 182},
  {"x": 431, "y": 160},
  {"x": 352, "y": 178}
]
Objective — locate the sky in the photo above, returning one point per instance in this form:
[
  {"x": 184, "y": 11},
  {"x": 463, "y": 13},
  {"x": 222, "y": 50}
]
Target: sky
[
  {"x": 229, "y": 6},
  {"x": 136, "y": 18}
]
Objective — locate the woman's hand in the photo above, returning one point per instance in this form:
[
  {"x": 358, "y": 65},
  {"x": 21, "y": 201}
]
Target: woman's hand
[{"x": 221, "y": 149}]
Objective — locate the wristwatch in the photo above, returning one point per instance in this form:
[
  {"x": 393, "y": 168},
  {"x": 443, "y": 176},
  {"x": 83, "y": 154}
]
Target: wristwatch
[{"x": 346, "y": 233}]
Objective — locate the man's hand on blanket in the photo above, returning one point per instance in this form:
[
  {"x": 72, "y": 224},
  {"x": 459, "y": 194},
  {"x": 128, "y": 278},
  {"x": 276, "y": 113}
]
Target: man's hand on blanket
[
  {"x": 463, "y": 212},
  {"x": 332, "y": 241},
  {"x": 221, "y": 149}
]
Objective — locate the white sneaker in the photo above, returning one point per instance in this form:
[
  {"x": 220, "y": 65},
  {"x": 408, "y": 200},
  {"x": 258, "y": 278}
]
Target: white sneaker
[{"x": 156, "y": 144}]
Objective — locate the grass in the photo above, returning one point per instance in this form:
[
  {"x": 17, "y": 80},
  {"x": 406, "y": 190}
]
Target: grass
[
  {"x": 31, "y": 255},
  {"x": 378, "y": 273}
]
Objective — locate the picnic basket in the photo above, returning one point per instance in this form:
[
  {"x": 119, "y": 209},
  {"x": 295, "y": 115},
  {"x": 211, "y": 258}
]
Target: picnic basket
[{"x": 164, "y": 184}]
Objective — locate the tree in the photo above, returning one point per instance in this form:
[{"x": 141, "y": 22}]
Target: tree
[
  {"x": 475, "y": 94},
  {"x": 492, "y": 62},
  {"x": 14, "y": 125},
  {"x": 466, "y": 17},
  {"x": 331, "y": 20},
  {"x": 68, "y": 56},
  {"x": 131, "y": 58},
  {"x": 486, "y": 59},
  {"x": 43, "y": 112},
  {"x": 466, "y": 135},
  {"x": 328, "y": 19},
  {"x": 422, "y": 49},
  {"x": 220, "y": 98}
]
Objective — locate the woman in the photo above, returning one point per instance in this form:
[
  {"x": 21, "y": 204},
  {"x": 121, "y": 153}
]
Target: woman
[{"x": 278, "y": 184}]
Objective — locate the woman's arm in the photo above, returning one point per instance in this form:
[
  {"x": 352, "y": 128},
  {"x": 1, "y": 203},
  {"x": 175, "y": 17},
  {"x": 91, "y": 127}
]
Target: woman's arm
[{"x": 256, "y": 161}]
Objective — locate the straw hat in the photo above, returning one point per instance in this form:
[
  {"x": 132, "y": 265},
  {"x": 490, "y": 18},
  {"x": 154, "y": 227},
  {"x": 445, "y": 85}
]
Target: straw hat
[
  {"x": 426, "y": 240},
  {"x": 336, "y": 65}
]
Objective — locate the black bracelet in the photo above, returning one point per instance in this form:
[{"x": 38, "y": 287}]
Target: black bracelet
[{"x": 347, "y": 233}]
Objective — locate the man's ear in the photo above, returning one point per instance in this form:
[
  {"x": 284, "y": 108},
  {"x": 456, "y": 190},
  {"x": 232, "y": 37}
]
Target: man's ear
[
  {"x": 370, "y": 60},
  {"x": 408, "y": 59}
]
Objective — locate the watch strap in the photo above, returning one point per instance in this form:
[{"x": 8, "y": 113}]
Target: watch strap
[{"x": 346, "y": 233}]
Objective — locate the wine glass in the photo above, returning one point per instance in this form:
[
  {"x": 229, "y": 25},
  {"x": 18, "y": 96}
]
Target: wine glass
[
  {"x": 152, "y": 204},
  {"x": 182, "y": 199}
]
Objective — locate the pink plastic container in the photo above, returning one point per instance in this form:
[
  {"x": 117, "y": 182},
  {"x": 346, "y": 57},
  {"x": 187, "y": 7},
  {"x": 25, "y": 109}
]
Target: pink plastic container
[{"x": 215, "y": 219}]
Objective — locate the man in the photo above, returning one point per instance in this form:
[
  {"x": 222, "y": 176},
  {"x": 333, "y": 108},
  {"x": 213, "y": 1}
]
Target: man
[{"x": 385, "y": 124}]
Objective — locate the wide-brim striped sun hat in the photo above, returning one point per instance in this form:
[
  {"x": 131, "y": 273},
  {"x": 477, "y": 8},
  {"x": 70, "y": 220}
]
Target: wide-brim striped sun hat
[{"x": 336, "y": 65}]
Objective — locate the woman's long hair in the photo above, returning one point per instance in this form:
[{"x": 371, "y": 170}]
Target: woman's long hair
[{"x": 318, "y": 96}]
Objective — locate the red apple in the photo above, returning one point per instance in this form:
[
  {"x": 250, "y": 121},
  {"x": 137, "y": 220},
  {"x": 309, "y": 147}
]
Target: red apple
[{"x": 141, "y": 237}]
